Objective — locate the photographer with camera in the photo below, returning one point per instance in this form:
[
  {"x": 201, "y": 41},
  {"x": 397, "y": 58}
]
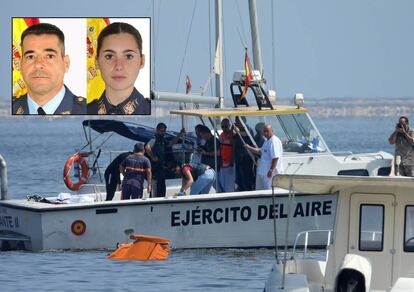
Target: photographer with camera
[{"x": 403, "y": 138}]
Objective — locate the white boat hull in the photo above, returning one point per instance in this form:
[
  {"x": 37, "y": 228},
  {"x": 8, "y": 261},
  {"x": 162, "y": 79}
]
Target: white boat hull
[{"x": 240, "y": 220}]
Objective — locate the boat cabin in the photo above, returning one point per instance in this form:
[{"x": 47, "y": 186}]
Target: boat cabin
[{"x": 373, "y": 237}]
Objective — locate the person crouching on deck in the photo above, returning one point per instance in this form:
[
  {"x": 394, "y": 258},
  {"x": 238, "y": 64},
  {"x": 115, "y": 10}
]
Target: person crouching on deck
[
  {"x": 135, "y": 168},
  {"x": 197, "y": 176}
]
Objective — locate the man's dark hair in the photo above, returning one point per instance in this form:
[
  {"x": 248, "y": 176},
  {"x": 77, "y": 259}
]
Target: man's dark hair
[
  {"x": 161, "y": 126},
  {"x": 117, "y": 28},
  {"x": 199, "y": 126},
  {"x": 204, "y": 129},
  {"x": 138, "y": 147},
  {"x": 45, "y": 28},
  {"x": 405, "y": 118}
]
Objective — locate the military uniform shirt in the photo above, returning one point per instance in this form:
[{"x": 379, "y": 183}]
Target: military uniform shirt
[
  {"x": 70, "y": 105},
  {"x": 135, "y": 104}
]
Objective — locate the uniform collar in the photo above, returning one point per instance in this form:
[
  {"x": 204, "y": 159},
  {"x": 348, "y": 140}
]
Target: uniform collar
[
  {"x": 128, "y": 106},
  {"x": 50, "y": 107}
]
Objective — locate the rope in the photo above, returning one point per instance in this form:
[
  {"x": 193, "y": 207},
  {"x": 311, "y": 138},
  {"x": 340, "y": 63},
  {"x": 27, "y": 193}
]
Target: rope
[
  {"x": 211, "y": 56},
  {"x": 274, "y": 223},
  {"x": 272, "y": 13},
  {"x": 242, "y": 37},
  {"x": 186, "y": 46}
]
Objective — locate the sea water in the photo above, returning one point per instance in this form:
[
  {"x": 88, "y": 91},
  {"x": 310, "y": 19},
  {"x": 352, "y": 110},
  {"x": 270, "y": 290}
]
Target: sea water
[{"x": 36, "y": 148}]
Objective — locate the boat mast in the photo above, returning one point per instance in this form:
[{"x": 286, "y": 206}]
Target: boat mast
[
  {"x": 219, "y": 47},
  {"x": 254, "y": 27}
]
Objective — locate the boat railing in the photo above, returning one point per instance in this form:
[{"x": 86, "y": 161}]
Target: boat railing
[
  {"x": 306, "y": 239},
  {"x": 342, "y": 153},
  {"x": 95, "y": 189},
  {"x": 356, "y": 156}
]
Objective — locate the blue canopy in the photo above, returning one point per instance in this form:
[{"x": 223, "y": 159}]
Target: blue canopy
[{"x": 130, "y": 130}]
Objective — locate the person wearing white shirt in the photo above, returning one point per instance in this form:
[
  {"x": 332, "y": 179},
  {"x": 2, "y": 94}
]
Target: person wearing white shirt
[{"x": 271, "y": 158}]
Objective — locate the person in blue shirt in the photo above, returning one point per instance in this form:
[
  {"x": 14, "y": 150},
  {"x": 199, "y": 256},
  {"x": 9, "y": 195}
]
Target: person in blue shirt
[
  {"x": 135, "y": 168},
  {"x": 43, "y": 67}
]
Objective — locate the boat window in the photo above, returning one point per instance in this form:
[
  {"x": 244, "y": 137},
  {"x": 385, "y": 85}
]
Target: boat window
[
  {"x": 371, "y": 227},
  {"x": 354, "y": 172},
  {"x": 300, "y": 134},
  {"x": 296, "y": 132},
  {"x": 409, "y": 229}
]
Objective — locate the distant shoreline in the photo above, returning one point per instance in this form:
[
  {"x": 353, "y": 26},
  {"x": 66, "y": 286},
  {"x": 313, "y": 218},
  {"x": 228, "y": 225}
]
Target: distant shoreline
[{"x": 318, "y": 107}]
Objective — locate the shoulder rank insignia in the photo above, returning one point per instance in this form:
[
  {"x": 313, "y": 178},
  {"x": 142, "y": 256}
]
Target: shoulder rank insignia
[
  {"x": 20, "y": 110},
  {"x": 80, "y": 99},
  {"x": 129, "y": 107},
  {"x": 101, "y": 108}
]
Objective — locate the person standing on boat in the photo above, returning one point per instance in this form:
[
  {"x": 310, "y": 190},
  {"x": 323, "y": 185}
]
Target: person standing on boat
[
  {"x": 245, "y": 169},
  {"x": 226, "y": 175},
  {"x": 199, "y": 142},
  {"x": 120, "y": 58},
  {"x": 156, "y": 149},
  {"x": 135, "y": 168},
  {"x": 271, "y": 156},
  {"x": 112, "y": 175},
  {"x": 43, "y": 67},
  {"x": 403, "y": 138},
  {"x": 207, "y": 151},
  {"x": 259, "y": 137},
  {"x": 195, "y": 176}
]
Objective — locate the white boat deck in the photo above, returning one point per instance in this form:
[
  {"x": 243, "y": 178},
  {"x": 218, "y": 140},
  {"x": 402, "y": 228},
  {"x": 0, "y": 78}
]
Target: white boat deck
[{"x": 40, "y": 206}]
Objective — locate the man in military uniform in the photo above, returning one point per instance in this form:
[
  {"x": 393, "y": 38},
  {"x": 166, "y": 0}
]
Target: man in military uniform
[{"x": 43, "y": 66}]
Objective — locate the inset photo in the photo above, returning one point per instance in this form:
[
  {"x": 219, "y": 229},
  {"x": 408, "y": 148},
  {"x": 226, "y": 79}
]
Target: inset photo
[
  {"x": 118, "y": 66},
  {"x": 79, "y": 66},
  {"x": 47, "y": 66}
]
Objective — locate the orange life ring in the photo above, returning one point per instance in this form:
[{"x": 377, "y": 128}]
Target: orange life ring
[{"x": 75, "y": 158}]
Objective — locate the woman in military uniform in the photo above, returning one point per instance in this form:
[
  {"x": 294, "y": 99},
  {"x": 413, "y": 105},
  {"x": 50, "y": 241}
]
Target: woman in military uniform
[{"x": 120, "y": 58}]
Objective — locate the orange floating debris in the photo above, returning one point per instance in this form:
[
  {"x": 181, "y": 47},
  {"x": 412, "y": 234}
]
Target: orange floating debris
[{"x": 144, "y": 248}]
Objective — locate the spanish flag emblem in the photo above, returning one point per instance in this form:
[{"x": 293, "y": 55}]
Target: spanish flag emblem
[
  {"x": 95, "y": 85},
  {"x": 19, "y": 25}
]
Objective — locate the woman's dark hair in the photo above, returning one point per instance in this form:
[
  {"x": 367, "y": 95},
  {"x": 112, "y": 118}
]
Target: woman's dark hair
[{"x": 117, "y": 28}]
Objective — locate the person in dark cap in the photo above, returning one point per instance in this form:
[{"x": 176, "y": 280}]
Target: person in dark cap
[
  {"x": 135, "y": 168},
  {"x": 43, "y": 66}
]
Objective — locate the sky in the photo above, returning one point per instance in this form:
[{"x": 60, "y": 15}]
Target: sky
[{"x": 321, "y": 48}]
